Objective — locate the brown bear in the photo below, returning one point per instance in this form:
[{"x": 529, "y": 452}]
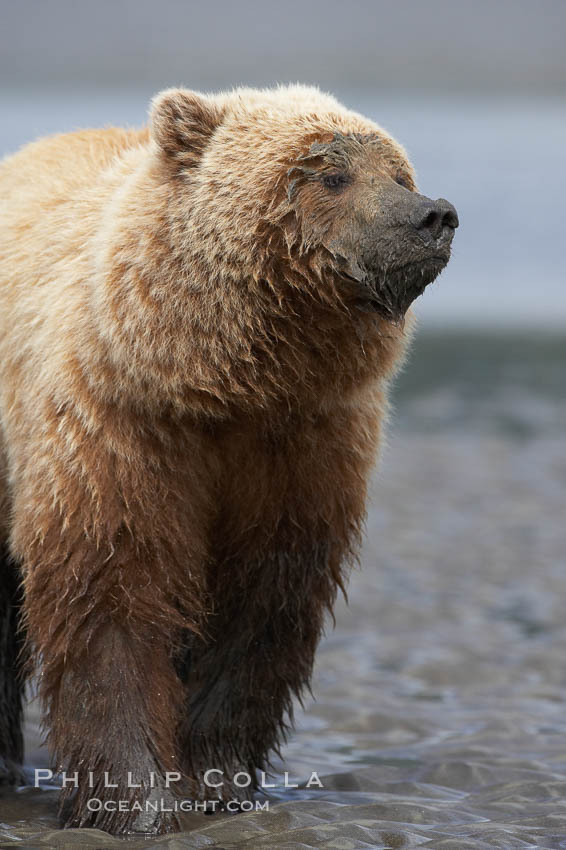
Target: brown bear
[{"x": 198, "y": 324}]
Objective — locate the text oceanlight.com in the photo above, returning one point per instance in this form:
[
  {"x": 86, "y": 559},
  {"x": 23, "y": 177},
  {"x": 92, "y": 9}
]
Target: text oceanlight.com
[{"x": 95, "y": 804}]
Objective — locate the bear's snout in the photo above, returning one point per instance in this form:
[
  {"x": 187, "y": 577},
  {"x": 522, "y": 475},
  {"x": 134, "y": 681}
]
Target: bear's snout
[
  {"x": 400, "y": 248},
  {"x": 434, "y": 220}
]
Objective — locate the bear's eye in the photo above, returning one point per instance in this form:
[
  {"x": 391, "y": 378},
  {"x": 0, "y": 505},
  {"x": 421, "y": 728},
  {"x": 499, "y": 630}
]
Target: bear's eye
[
  {"x": 335, "y": 180},
  {"x": 403, "y": 181}
]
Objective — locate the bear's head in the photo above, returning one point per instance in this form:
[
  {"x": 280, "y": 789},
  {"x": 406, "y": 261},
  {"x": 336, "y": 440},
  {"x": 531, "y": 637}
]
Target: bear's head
[{"x": 291, "y": 187}]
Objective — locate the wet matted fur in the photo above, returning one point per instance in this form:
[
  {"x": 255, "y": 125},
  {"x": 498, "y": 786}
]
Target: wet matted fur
[{"x": 193, "y": 378}]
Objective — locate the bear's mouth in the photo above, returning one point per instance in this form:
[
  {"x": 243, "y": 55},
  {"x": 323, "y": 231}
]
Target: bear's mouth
[{"x": 390, "y": 292}]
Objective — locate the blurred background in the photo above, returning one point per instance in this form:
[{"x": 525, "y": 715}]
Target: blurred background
[
  {"x": 474, "y": 90},
  {"x": 439, "y": 718}
]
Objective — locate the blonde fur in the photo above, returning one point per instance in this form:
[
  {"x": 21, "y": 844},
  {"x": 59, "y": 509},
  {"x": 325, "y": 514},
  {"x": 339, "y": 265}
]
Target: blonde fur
[{"x": 189, "y": 411}]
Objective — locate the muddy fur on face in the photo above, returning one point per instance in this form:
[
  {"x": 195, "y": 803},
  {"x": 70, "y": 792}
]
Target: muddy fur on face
[{"x": 198, "y": 324}]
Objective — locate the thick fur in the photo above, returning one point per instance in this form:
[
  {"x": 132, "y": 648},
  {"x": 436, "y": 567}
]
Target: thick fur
[{"x": 189, "y": 408}]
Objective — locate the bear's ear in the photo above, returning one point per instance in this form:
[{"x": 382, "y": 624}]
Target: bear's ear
[{"x": 182, "y": 123}]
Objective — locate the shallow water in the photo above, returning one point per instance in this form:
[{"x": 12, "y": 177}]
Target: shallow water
[{"x": 439, "y": 718}]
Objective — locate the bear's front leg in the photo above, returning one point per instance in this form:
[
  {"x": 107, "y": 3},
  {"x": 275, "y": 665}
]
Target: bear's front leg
[
  {"x": 113, "y": 707},
  {"x": 113, "y": 560},
  {"x": 259, "y": 657},
  {"x": 287, "y": 531}
]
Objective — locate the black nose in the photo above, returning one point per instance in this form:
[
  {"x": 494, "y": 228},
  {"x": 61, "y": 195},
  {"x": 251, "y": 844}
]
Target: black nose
[{"x": 431, "y": 217}]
